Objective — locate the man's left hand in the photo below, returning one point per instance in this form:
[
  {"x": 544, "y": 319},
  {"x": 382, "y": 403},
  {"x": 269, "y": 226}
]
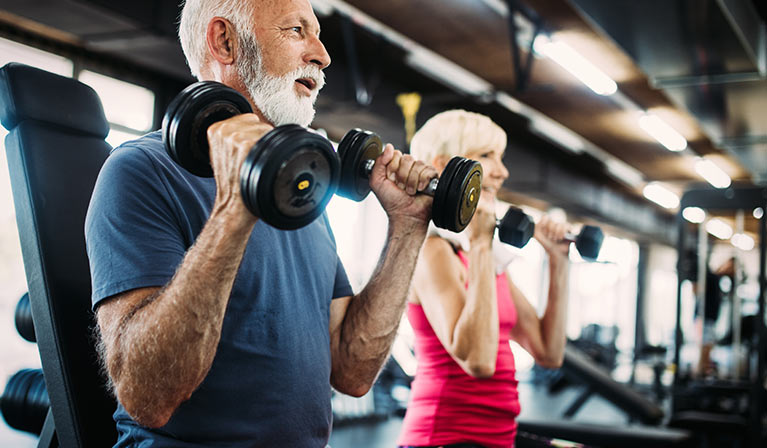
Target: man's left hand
[{"x": 396, "y": 179}]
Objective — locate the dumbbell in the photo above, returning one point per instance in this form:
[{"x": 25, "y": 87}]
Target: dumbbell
[
  {"x": 25, "y": 402},
  {"x": 456, "y": 192},
  {"x": 287, "y": 178},
  {"x": 517, "y": 227},
  {"x": 23, "y": 319}
]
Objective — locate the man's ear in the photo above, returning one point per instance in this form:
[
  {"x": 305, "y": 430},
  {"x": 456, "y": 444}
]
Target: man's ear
[
  {"x": 220, "y": 38},
  {"x": 440, "y": 162}
]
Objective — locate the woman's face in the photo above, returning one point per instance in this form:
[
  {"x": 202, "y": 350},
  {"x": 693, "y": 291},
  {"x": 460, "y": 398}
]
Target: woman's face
[{"x": 494, "y": 172}]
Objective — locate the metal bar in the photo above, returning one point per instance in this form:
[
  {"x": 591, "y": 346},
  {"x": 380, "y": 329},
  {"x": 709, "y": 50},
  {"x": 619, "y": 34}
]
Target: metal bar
[
  {"x": 725, "y": 199},
  {"x": 681, "y": 224},
  {"x": 736, "y": 369},
  {"x": 639, "y": 321},
  {"x": 748, "y": 28},
  {"x": 48, "y": 434},
  {"x": 361, "y": 95},
  {"x": 757, "y": 392},
  {"x": 578, "y": 403},
  {"x": 520, "y": 80},
  {"x": 703, "y": 80}
]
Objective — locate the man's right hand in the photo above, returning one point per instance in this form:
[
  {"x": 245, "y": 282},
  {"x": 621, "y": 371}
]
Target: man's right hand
[{"x": 230, "y": 143}]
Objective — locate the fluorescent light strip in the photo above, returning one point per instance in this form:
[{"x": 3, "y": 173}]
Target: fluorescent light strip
[
  {"x": 447, "y": 72},
  {"x": 712, "y": 173},
  {"x": 624, "y": 172},
  {"x": 695, "y": 215},
  {"x": 742, "y": 241},
  {"x": 659, "y": 130},
  {"x": 661, "y": 195},
  {"x": 577, "y": 65},
  {"x": 559, "y": 134},
  {"x": 719, "y": 228}
]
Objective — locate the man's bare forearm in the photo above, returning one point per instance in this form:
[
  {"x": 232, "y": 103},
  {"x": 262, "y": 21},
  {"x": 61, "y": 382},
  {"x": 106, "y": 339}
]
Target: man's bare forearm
[
  {"x": 160, "y": 350},
  {"x": 373, "y": 316}
]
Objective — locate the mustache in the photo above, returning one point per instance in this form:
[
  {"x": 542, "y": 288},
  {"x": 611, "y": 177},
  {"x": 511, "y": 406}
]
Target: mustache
[{"x": 309, "y": 71}]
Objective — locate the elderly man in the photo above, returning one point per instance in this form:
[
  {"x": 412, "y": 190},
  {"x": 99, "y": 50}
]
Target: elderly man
[{"x": 215, "y": 328}]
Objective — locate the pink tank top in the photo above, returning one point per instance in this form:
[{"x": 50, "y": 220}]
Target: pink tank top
[{"x": 449, "y": 406}]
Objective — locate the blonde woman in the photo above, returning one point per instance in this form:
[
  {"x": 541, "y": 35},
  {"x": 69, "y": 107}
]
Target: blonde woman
[{"x": 464, "y": 308}]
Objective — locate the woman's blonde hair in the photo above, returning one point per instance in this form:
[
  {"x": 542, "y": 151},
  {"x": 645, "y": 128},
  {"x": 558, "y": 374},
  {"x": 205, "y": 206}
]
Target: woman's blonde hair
[{"x": 455, "y": 133}]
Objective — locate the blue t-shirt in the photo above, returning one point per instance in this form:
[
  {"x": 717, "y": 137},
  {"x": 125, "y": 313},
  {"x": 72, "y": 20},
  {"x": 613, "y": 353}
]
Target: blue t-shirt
[{"x": 269, "y": 385}]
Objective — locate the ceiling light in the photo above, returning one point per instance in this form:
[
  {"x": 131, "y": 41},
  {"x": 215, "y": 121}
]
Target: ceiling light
[
  {"x": 719, "y": 228},
  {"x": 558, "y": 133},
  {"x": 659, "y": 130},
  {"x": 510, "y": 103},
  {"x": 758, "y": 212},
  {"x": 624, "y": 172},
  {"x": 712, "y": 173},
  {"x": 742, "y": 241},
  {"x": 661, "y": 195},
  {"x": 577, "y": 65},
  {"x": 695, "y": 215},
  {"x": 447, "y": 72}
]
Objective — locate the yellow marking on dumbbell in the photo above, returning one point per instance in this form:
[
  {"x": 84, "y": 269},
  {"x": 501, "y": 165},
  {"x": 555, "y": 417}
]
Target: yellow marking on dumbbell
[{"x": 303, "y": 185}]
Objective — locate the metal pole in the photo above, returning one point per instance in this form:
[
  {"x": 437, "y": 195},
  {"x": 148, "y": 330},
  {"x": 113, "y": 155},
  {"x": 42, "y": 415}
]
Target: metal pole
[
  {"x": 757, "y": 387},
  {"x": 681, "y": 223},
  {"x": 737, "y": 365}
]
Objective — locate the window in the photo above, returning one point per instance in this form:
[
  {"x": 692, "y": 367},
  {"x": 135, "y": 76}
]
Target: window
[{"x": 129, "y": 108}]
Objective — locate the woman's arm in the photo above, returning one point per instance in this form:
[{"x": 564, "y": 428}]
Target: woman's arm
[
  {"x": 465, "y": 321},
  {"x": 544, "y": 337}
]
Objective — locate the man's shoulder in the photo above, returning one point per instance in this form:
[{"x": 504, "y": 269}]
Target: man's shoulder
[
  {"x": 145, "y": 154},
  {"x": 139, "y": 148}
]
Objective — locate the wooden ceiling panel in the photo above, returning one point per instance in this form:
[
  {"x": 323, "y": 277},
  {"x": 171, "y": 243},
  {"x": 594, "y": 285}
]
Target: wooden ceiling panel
[{"x": 474, "y": 36}]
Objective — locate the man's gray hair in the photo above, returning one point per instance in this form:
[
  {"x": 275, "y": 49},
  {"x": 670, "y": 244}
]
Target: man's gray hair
[{"x": 195, "y": 16}]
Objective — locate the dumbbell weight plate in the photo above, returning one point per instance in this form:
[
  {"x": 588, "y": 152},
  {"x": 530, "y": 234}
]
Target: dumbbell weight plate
[
  {"x": 356, "y": 148},
  {"x": 186, "y": 122},
  {"x": 463, "y": 195},
  {"x": 589, "y": 242},
  {"x": 457, "y": 194},
  {"x": 438, "y": 214},
  {"x": 289, "y": 176}
]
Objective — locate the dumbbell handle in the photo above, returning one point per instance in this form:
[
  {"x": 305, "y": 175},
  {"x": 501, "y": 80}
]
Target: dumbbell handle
[
  {"x": 429, "y": 190},
  {"x": 568, "y": 238}
]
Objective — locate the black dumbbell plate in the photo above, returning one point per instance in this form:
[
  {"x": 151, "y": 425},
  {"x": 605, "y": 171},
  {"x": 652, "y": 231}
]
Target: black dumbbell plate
[
  {"x": 356, "y": 148},
  {"x": 186, "y": 121},
  {"x": 289, "y": 177}
]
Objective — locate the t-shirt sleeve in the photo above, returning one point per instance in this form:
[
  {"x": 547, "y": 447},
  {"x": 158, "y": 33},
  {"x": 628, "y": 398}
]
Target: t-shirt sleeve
[
  {"x": 342, "y": 287},
  {"x": 131, "y": 232}
]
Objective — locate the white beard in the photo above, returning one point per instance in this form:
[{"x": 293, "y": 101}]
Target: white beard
[{"x": 276, "y": 96}]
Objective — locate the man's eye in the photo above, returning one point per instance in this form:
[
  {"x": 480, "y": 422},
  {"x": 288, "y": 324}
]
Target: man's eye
[{"x": 297, "y": 29}]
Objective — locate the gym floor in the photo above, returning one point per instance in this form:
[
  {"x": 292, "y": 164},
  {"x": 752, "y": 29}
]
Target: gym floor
[{"x": 536, "y": 404}]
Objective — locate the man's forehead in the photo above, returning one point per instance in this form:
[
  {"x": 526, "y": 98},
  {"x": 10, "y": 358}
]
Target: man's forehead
[{"x": 276, "y": 9}]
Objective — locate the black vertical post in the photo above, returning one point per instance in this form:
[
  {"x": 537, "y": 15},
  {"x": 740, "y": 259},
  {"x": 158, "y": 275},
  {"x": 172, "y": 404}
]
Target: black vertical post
[
  {"x": 678, "y": 320},
  {"x": 757, "y": 387},
  {"x": 639, "y": 322}
]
